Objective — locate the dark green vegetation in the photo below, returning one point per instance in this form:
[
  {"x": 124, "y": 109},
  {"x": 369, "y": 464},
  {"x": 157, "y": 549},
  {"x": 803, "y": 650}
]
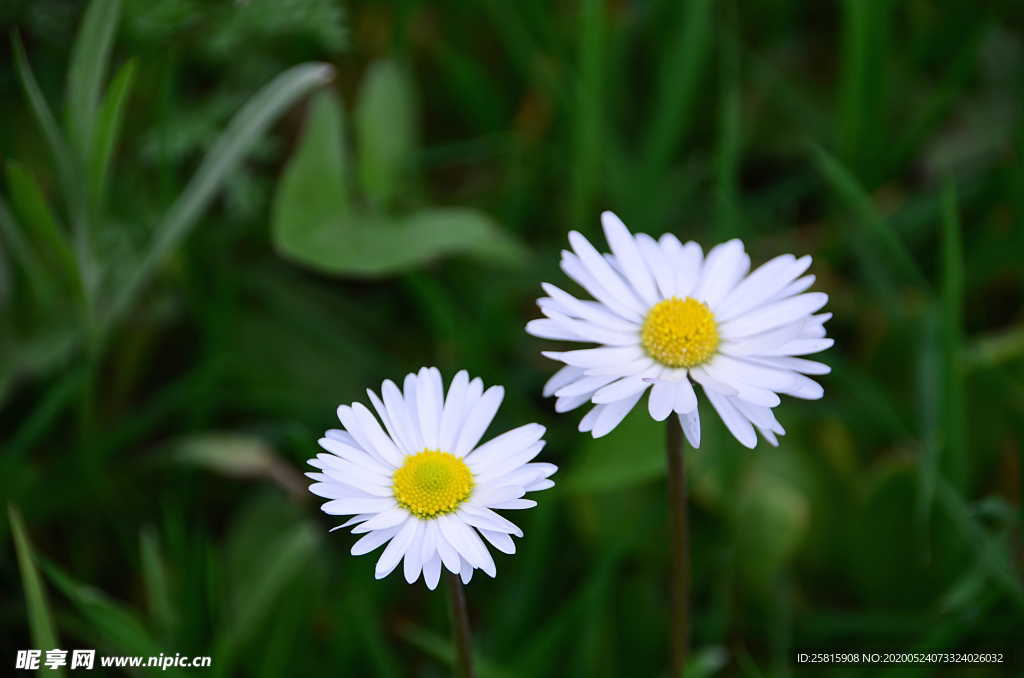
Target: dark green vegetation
[{"x": 190, "y": 283}]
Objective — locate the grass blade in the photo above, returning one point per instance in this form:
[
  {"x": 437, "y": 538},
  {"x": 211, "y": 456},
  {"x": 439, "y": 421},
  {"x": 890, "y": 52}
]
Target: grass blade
[
  {"x": 40, "y": 221},
  {"x": 954, "y": 416},
  {"x": 678, "y": 83},
  {"x": 154, "y": 576},
  {"x": 222, "y": 159},
  {"x": 89, "y": 57},
  {"x": 728, "y": 223},
  {"x": 40, "y": 621},
  {"x": 885, "y": 241},
  {"x": 589, "y": 106},
  {"x": 62, "y": 156},
  {"x": 865, "y": 28},
  {"x": 38, "y": 279},
  {"x": 110, "y": 624},
  {"x": 108, "y": 129}
]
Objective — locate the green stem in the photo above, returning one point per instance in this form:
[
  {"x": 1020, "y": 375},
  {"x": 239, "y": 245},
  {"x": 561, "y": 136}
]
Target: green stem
[
  {"x": 460, "y": 627},
  {"x": 679, "y": 628}
]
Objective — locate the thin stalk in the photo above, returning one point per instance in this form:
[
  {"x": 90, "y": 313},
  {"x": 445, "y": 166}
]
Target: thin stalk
[
  {"x": 460, "y": 628},
  {"x": 679, "y": 628}
]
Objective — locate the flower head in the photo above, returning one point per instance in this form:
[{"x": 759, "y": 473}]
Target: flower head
[
  {"x": 421, "y": 483},
  {"x": 665, "y": 315}
]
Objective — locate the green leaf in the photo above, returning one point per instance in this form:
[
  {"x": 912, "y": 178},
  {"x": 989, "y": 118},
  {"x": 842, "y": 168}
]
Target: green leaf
[
  {"x": 89, "y": 57},
  {"x": 109, "y": 623},
  {"x": 269, "y": 551},
  {"x": 314, "y": 224},
  {"x": 154, "y": 577},
  {"x": 40, "y": 621},
  {"x": 108, "y": 129},
  {"x": 885, "y": 243},
  {"x": 385, "y": 126},
  {"x": 38, "y": 278},
  {"x": 248, "y": 126},
  {"x": 43, "y": 228},
  {"x": 65, "y": 162}
]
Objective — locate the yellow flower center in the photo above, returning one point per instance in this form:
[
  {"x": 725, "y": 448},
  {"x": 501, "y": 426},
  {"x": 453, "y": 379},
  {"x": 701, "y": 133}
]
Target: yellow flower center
[
  {"x": 432, "y": 483},
  {"x": 680, "y": 332}
]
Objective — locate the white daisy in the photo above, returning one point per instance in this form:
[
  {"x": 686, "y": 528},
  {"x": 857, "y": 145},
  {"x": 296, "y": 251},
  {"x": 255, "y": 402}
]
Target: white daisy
[
  {"x": 664, "y": 314},
  {"x": 422, "y": 484}
]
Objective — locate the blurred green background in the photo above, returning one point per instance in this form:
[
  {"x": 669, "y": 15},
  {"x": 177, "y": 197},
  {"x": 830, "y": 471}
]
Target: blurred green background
[{"x": 198, "y": 262}]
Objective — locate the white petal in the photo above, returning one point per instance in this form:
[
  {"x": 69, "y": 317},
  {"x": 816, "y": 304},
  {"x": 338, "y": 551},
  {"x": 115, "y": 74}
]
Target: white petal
[
  {"x": 688, "y": 262},
  {"x": 628, "y": 254},
  {"x": 562, "y": 377},
  {"x": 596, "y": 357},
  {"x": 478, "y": 419},
  {"x": 384, "y": 520},
  {"x": 409, "y": 395},
  {"x": 396, "y": 549},
  {"x": 499, "y": 540},
  {"x": 382, "y": 414},
  {"x": 757, "y": 396},
  {"x": 802, "y": 347},
  {"x": 373, "y": 540},
  {"x": 664, "y": 276},
  {"x": 449, "y": 556},
  {"x": 596, "y": 265},
  {"x": 690, "y": 422},
  {"x": 805, "y": 388},
  {"x": 515, "y": 504},
  {"x": 701, "y": 376},
  {"x": 503, "y": 446},
  {"x": 587, "y": 422},
  {"x": 593, "y": 312},
  {"x": 795, "y": 287},
  {"x": 407, "y": 435},
  {"x": 348, "y": 506},
  {"x": 737, "y": 372},
  {"x": 733, "y": 419},
  {"x": 585, "y": 386},
  {"x": 380, "y": 442},
  {"x": 761, "y": 286},
  {"x": 618, "y": 390},
  {"x": 725, "y": 265},
  {"x": 467, "y": 571},
  {"x": 574, "y": 268},
  {"x": 413, "y": 555},
  {"x": 453, "y": 412},
  {"x": 795, "y": 364},
  {"x": 773, "y": 315},
  {"x": 429, "y": 401},
  {"x": 685, "y": 398},
  {"x": 613, "y": 414},
  {"x": 571, "y": 402},
  {"x": 432, "y": 571},
  {"x": 504, "y": 465},
  {"x": 659, "y": 403}
]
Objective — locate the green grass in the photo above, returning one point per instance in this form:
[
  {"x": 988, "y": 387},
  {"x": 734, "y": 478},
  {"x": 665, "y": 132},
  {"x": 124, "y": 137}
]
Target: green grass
[{"x": 180, "y": 316}]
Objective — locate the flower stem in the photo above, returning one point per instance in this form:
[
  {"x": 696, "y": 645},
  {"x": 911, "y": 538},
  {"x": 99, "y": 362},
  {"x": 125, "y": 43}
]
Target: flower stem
[
  {"x": 679, "y": 629},
  {"x": 460, "y": 628}
]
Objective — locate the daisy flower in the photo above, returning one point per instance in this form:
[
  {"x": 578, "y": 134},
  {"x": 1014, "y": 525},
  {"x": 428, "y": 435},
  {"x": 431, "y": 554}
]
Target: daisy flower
[
  {"x": 419, "y": 481},
  {"x": 666, "y": 317}
]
